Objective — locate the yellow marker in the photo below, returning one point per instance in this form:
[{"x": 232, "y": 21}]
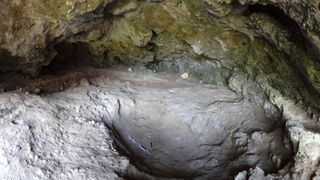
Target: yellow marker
[{"x": 184, "y": 75}]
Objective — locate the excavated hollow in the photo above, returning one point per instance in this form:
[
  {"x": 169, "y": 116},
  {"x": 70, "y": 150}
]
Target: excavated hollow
[
  {"x": 171, "y": 127},
  {"x": 168, "y": 127}
]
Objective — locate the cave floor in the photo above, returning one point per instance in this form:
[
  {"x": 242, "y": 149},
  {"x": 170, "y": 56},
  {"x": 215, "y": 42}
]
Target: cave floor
[{"x": 109, "y": 124}]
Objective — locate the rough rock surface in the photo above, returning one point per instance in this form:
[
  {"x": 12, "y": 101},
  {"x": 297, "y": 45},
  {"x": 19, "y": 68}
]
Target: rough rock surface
[
  {"x": 266, "y": 51},
  {"x": 150, "y": 30},
  {"x": 29, "y": 29},
  {"x": 187, "y": 130},
  {"x": 305, "y": 13},
  {"x": 274, "y": 41},
  {"x": 51, "y": 138},
  {"x": 170, "y": 127},
  {"x": 237, "y": 37}
]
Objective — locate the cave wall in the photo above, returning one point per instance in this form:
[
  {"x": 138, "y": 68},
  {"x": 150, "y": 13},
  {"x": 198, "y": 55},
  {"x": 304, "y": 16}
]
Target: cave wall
[
  {"x": 29, "y": 28},
  {"x": 265, "y": 47},
  {"x": 146, "y": 31},
  {"x": 305, "y": 13}
]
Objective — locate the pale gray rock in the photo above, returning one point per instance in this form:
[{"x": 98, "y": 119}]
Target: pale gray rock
[{"x": 167, "y": 126}]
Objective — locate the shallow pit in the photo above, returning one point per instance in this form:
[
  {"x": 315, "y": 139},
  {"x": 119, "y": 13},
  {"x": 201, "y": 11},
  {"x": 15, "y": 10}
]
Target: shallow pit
[
  {"x": 175, "y": 128},
  {"x": 167, "y": 126}
]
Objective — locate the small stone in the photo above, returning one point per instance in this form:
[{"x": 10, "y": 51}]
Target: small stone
[
  {"x": 184, "y": 76},
  {"x": 36, "y": 91},
  {"x": 241, "y": 176},
  {"x": 17, "y": 122},
  {"x": 257, "y": 173},
  {"x": 84, "y": 82},
  {"x": 130, "y": 69}
]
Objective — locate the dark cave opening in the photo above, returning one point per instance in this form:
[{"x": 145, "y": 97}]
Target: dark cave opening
[{"x": 69, "y": 56}]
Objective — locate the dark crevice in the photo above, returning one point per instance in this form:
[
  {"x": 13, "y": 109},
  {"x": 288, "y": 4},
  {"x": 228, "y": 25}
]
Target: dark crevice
[
  {"x": 74, "y": 55},
  {"x": 279, "y": 15},
  {"x": 151, "y": 45},
  {"x": 107, "y": 11},
  {"x": 297, "y": 34},
  {"x": 69, "y": 56}
]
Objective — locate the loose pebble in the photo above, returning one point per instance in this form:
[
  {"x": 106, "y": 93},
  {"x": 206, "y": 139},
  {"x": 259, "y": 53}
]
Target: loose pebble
[{"x": 185, "y": 75}]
